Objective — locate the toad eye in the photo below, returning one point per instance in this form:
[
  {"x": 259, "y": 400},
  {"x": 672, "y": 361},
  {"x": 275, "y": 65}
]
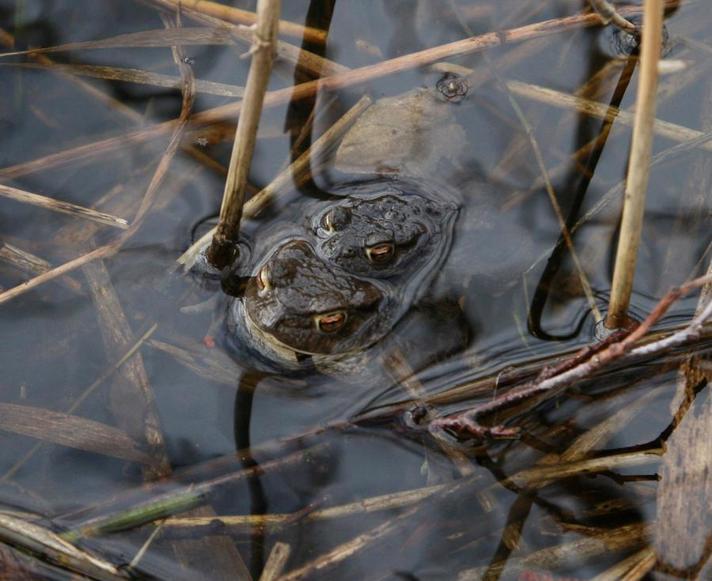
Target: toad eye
[
  {"x": 263, "y": 281},
  {"x": 382, "y": 253},
  {"x": 336, "y": 219},
  {"x": 330, "y": 322}
]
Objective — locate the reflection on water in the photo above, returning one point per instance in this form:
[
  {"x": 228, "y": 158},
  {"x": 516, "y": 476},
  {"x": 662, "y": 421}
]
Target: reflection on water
[{"x": 475, "y": 288}]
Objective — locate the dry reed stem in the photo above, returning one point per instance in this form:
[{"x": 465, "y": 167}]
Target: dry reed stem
[
  {"x": 276, "y": 562},
  {"x": 330, "y": 83},
  {"x": 555, "y": 98},
  {"x": 295, "y": 175},
  {"x": 638, "y": 166},
  {"x": 237, "y": 16},
  {"x": 221, "y": 252},
  {"x": 419, "y": 59},
  {"x": 136, "y": 76},
  {"x": 633, "y": 568},
  {"x": 63, "y": 207}
]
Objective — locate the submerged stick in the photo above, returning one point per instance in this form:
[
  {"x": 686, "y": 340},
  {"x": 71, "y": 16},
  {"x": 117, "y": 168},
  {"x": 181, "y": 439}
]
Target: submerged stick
[
  {"x": 638, "y": 166},
  {"x": 221, "y": 252}
]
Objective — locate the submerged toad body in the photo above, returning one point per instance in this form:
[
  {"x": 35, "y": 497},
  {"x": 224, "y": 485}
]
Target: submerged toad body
[{"x": 342, "y": 274}]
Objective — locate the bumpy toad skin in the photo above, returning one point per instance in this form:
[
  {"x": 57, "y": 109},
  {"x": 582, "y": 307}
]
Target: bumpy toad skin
[
  {"x": 303, "y": 305},
  {"x": 385, "y": 236}
]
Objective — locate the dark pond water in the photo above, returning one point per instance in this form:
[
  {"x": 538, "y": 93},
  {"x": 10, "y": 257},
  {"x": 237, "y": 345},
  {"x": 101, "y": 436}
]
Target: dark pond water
[{"x": 505, "y": 295}]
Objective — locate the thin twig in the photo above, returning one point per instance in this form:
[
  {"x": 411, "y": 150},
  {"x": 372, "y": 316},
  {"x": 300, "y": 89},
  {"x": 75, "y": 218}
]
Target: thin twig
[
  {"x": 221, "y": 252},
  {"x": 638, "y": 166},
  {"x": 467, "y": 422}
]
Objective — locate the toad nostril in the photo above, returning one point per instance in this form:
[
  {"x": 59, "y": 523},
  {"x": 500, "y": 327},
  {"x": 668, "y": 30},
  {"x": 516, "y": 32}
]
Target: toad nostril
[{"x": 330, "y": 322}]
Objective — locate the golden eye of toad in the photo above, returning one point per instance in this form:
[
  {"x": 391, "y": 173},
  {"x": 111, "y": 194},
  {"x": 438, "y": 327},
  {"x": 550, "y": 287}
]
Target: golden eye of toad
[
  {"x": 330, "y": 322},
  {"x": 381, "y": 253}
]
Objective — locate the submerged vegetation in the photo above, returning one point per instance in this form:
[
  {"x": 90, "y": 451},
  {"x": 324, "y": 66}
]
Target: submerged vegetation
[{"x": 453, "y": 323}]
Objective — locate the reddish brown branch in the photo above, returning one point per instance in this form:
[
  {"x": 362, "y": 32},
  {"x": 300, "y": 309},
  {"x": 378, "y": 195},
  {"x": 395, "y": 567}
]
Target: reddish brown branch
[{"x": 581, "y": 366}]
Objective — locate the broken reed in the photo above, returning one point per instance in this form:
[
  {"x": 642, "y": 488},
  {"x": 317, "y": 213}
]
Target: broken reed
[{"x": 221, "y": 252}]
